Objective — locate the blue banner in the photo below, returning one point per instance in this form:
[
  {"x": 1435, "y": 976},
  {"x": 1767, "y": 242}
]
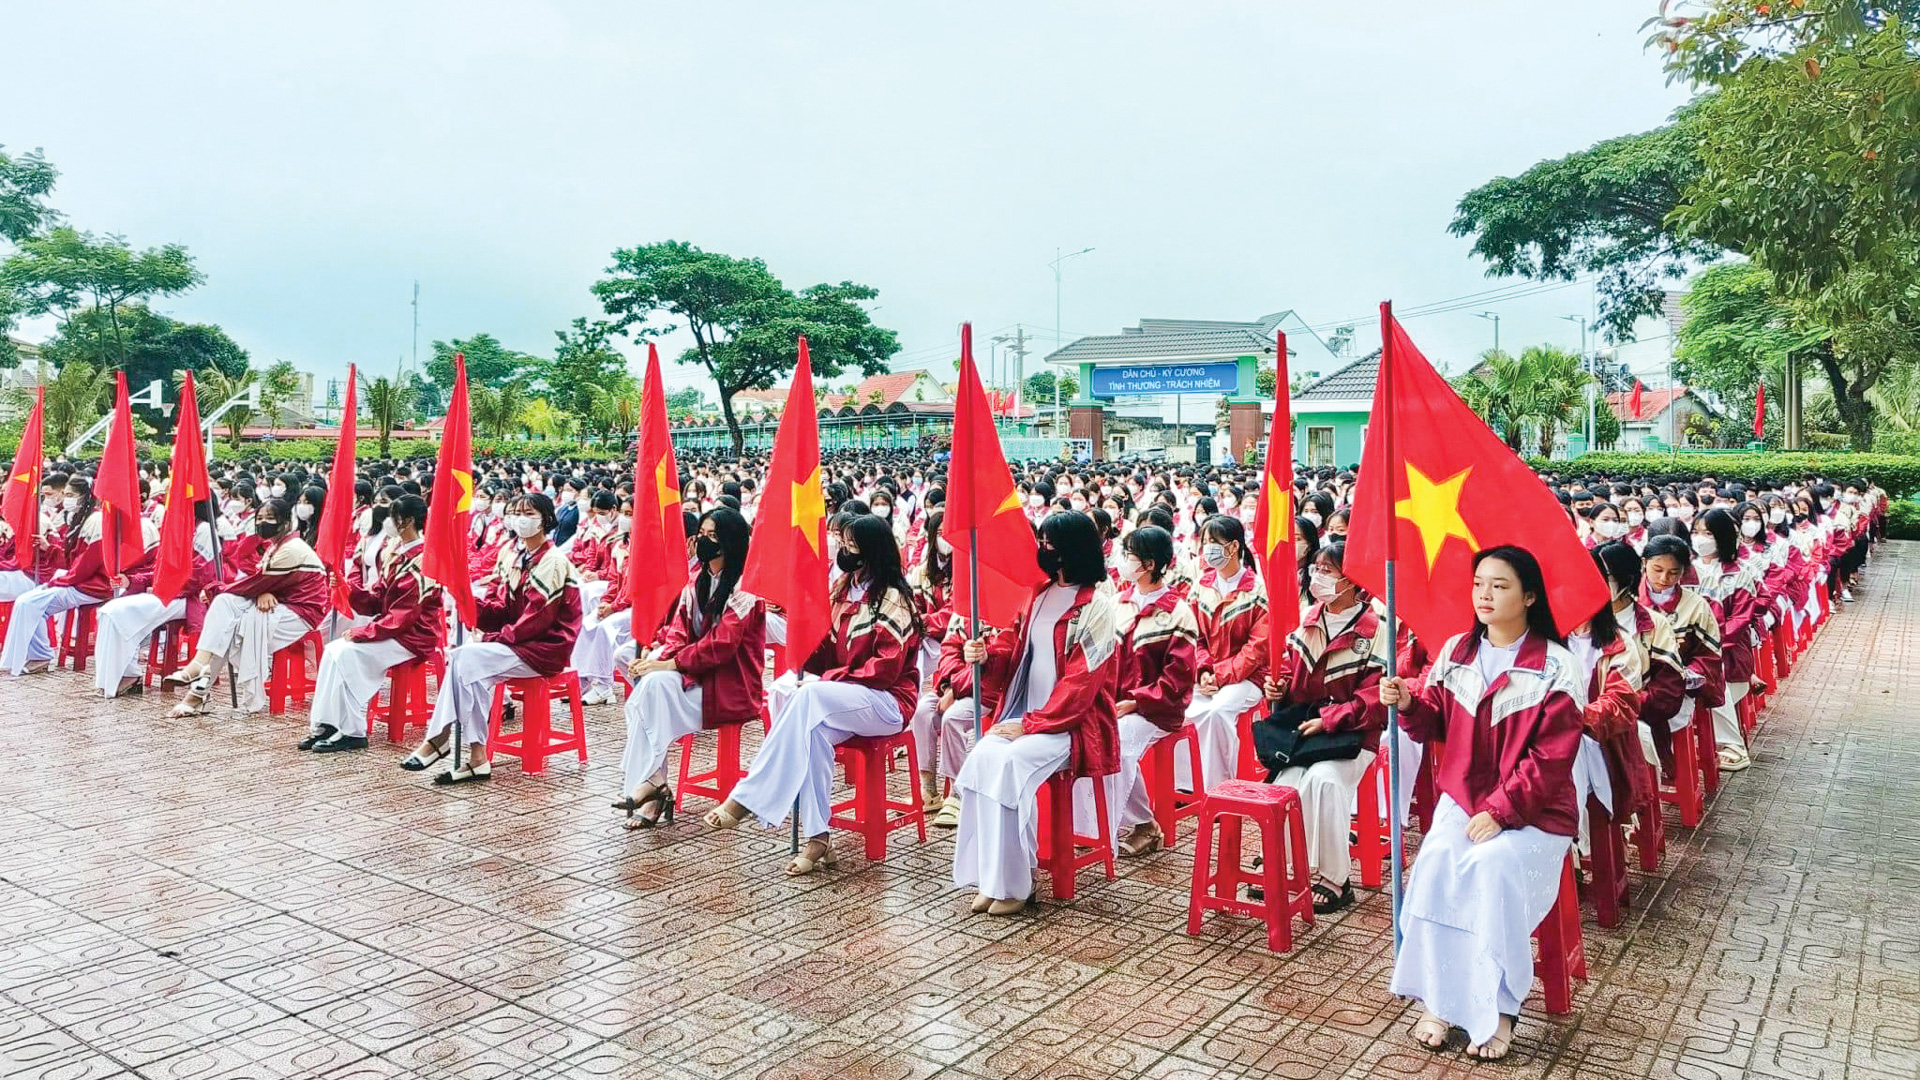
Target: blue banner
[{"x": 1166, "y": 379}]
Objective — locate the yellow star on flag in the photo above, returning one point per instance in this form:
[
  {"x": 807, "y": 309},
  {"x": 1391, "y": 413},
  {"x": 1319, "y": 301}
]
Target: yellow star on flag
[
  {"x": 1434, "y": 509},
  {"x": 809, "y": 507},
  {"x": 465, "y": 503},
  {"x": 666, "y": 487},
  {"x": 1279, "y": 514},
  {"x": 1011, "y": 502}
]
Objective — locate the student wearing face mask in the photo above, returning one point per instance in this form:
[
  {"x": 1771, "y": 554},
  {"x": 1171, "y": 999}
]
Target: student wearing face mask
[
  {"x": 84, "y": 582},
  {"x": 1611, "y": 770},
  {"x": 1230, "y": 605},
  {"x": 403, "y": 613},
  {"x": 1668, "y": 562},
  {"x": 703, "y": 671},
  {"x": 252, "y": 618},
  {"x": 306, "y": 513},
  {"x": 1159, "y": 650},
  {"x": 1663, "y": 689},
  {"x": 606, "y": 614},
  {"x": 932, "y": 581},
  {"x": 1729, "y": 587},
  {"x": 124, "y": 623},
  {"x": 1787, "y": 575},
  {"x": 1324, "y": 727},
  {"x": 1056, "y": 713},
  {"x": 528, "y": 617},
  {"x": 1633, "y": 515},
  {"x": 569, "y": 496},
  {"x": 867, "y": 684}
]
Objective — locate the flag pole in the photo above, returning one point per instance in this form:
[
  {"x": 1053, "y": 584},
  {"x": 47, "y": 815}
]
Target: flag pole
[
  {"x": 973, "y": 629},
  {"x": 1397, "y": 838}
]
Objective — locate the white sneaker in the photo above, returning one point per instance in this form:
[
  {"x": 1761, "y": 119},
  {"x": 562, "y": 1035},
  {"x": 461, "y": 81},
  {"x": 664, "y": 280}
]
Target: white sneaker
[
  {"x": 598, "y": 695},
  {"x": 1846, "y": 596}
]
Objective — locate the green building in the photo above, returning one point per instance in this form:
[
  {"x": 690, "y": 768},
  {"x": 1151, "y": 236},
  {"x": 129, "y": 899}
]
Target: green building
[{"x": 1330, "y": 414}]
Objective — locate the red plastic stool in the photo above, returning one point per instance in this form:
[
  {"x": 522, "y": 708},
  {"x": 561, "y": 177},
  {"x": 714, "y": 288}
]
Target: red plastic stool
[
  {"x": 407, "y": 704},
  {"x": 1781, "y": 643},
  {"x": 715, "y": 783},
  {"x": 1156, "y": 768},
  {"x": 1563, "y": 954},
  {"x": 870, "y": 812},
  {"x": 1650, "y": 836},
  {"x": 1686, "y": 792},
  {"x": 76, "y": 639},
  {"x": 534, "y": 743},
  {"x": 169, "y": 649},
  {"x": 1060, "y": 856},
  {"x": 1608, "y": 864},
  {"x": 1248, "y": 766},
  {"x": 1283, "y": 844},
  {"x": 1708, "y": 751},
  {"x": 1373, "y": 830},
  {"x": 290, "y": 682}
]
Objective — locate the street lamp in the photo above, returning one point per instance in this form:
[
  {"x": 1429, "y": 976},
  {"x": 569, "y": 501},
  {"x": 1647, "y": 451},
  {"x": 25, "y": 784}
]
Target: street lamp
[
  {"x": 1495, "y": 316},
  {"x": 995, "y": 343},
  {"x": 1057, "y": 340},
  {"x": 1587, "y": 363}
]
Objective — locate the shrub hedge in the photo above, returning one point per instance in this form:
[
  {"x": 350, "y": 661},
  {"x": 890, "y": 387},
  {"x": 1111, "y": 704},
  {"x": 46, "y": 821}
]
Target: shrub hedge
[
  {"x": 1899, "y": 474},
  {"x": 320, "y": 451},
  {"x": 1903, "y": 520}
]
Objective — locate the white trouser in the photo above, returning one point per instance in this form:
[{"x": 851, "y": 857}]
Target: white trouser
[
  {"x": 14, "y": 584},
  {"x": 27, "y": 641},
  {"x": 1137, "y": 736},
  {"x": 1216, "y": 724},
  {"x": 795, "y": 762},
  {"x": 351, "y": 673},
  {"x": 776, "y": 628},
  {"x": 466, "y": 694},
  {"x": 999, "y": 838},
  {"x": 945, "y": 754},
  {"x": 597, "y": 646},
  {"x": 659, "y": 711},
  {"x": 120, "y": 627},
  {"x": 238, "y": 632},
  {"x": 1591, "y": 777},
  {"x": 1726, "y": 719},
  {"x": 1327, "y": 791}
]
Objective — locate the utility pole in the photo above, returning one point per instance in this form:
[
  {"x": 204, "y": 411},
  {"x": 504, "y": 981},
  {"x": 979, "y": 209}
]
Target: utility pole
[
  {"x": 1587, "y": 363},
  {"x": 1058, "y": 340},
  {"x": 1019, "y": 369},
  {"x": 1495, "y": 316},
  {"x": 416, "y": 324}
]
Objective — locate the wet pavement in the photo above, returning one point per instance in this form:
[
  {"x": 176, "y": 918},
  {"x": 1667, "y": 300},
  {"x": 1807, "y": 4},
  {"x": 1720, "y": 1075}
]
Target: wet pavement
[{"x": 193, "y": 898}]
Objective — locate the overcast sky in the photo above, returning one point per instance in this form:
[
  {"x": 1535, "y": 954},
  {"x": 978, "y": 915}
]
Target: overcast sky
[{"x": 1224, "y": 159}]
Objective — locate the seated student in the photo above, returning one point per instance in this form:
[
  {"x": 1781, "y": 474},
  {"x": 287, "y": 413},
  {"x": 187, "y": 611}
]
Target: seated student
[
  {"x": 1505, "y": 698},
  {"x": 1668, "y": 564},
  {"x": 1731, "y": 585},
  {"x": 1329, "y": 685},
  {"x": 867, "y": 683},
  {"x": 83, "y": 582},
  {"x": 1160, "y": 645},
  {"x": 1611, "y": 766},
  {"x": 404, "y": 609},
  {"x": 1057, "y": 713},
  {"x": 706, "y": 670},
  {"x": 1663, "y": 682},
  {"x": 125, "y": 622},
  {"x": 46, "y": 557},
  {"x": 953, "y": 713},
  {"x": 252, "y": 618},
  {"x": 932, "y": 582},
  {"x": 529, "y": 617},
  {"x": 600, "y": 554},
  {"x": 1231, "y": 606}
]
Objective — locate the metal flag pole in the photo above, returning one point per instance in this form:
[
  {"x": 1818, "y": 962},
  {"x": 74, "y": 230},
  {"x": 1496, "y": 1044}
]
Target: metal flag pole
[
  {"x": 219, "y": 577},
  {"x": 973, "y": 629},
  {"x": 1396, "y": 848}
]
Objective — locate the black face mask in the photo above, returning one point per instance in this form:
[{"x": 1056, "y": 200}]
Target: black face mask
[
  {"x": 706, "y": 548},
  {"x": 266, "y": 530},
  {"x": 848, "y": 562},
  {"x": 1049, "y": 561}
]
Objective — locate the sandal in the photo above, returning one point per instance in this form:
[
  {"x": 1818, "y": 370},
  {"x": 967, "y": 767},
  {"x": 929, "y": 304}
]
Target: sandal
[
  {"x": 1008, "y": 907},
  {"x": 806, "y": 863},
  {"x": 1432, "y": 1032},
  {"x": 1141, "y": 840},
  {"x": 466, "y": 774},
  {"x": 1326, "y": 901},
  {"x": 661, "y": 797},
  {"x": 981, "y": 902},
  {"x": 1497, "y": 1047},
  {"x": 195, "y": 703},
  {"x": 718, "y": 818},
  {"x": 416, "y": 763}
]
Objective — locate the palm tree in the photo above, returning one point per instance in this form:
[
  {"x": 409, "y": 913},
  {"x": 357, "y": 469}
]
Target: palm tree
[
  {"x": 214, "y": 388},
  {"x": 539, "y": 417},
  {"x": 76, "y": 396},
  {"x": 1501, "y": 392},
  {"x": 1556, "y": 391},
  {"x": 389, "y": 403}
]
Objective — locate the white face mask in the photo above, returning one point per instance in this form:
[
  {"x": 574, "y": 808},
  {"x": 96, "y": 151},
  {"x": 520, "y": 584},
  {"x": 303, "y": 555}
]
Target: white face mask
[
  {"x": 388, "y": 528},
  {"x": 1655, "y": 513},
  {"x": 1749, "y": 529},
  {"x": 1777, "y": 516},
  {"x": 481, "y": 506},
  {"x": 1635, "y": 519},
  {"x": 945, "y": 548},
  {"x": 1661, "y": 595},
  {"x": 1704, "y": 545},
  {"x": 1322, "y": 586},
  {"x": 622, "y": 523},
  {"x": 236, "y": 507},
  {"x": 1129, "y": 568},
  {"x": 70, "y": 503},
  {"x": 1313, "y": 517},
  {"x": 526, "y": 526},
  {"x": 303, "y": 511},
  {"x": 882, "y": 511},
  {"x": 1214, "y": 555},
  {"x": 566, "y": 496},
  {"x": 1609, "y": 529},
  {"x": 1684, "y": 513}
]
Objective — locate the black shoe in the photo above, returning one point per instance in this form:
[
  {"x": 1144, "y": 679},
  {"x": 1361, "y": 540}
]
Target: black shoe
[
  {"x": 327, "y": 731},
  {"x": 1326, "y": 901},
  {"x": 341, "y": 742}
]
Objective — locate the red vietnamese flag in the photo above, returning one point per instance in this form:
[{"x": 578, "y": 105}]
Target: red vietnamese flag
[
  {"x": 444, "y": 560},
  {"x": 336, "y": 521},
  {"x": 1760, "y": 411},
  {"x": 1437, "y": 485},
  {"x": 1633, "y": 403},
  {"x": 1273, "y": 520},
  {"x": 173, "y": 563},
  {"x": 983, "y": 509},
  {"x": 787, "y": 561},
  {"x": 117, "y": 487},
  {"x": 20, "y": 506},
  {"x": 657, "y": 551}
]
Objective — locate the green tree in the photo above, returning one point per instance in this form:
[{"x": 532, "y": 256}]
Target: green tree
[
  {"x": 584, "y": 370},
  {"x": 496, "y": 411},
  {"x": 1604, "y": 211},
  {"x": 76, "y": 396},
  {"x": 24, "y": 183},
  {"x": 215, "y": 387},
  {"x": 1499, "y": 390},
  {"x": 65, "y": 271},
  {"x": 1039, "y": 388},
  {"x": 1557, "y": 398},
  {"x": 489, "y": 363},
  {"x": 1718, "y": 44},
  {"x": 540, "y": 417},
  {"x": 156, "y": 347},
  {"x": 688, "y": 400},
  {"x": 389, "y": 404},
  {"x": 744, "y": 322},
  {"x": 279, "y": 388}
]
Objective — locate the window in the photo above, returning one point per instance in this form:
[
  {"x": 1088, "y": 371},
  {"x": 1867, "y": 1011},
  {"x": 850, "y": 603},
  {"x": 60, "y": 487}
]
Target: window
[
  {"x": 1116, "y": 445},
  {"x": 1319, "y": 446}
]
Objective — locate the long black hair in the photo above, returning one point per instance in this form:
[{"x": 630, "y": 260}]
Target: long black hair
[
  {"x": 1672, "y": 547},
  {"x": 1603, "y": 627},
  {"x": 1726, "y": 534},
  {"x": 937, "y": 565},
  {"x": 309, "y": 530},
  {"x": 1527, "y": 569},
  {"x": 1153, "y": 546},
  {"x": 733, "y": 533},
  {"x": 77, "y": 519},
  {"x": 880, "y": 559},
  {"x": 1620, "y": 564},
  {"x": 1074, "y": 537}
]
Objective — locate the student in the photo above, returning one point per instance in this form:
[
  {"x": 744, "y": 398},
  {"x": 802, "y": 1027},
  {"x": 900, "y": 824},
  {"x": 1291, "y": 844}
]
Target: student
[
  {"x": 528, "y": 618},
  {"x": 1057, "y": 713},
  {"x": 252, "y": 618},
  {"x": 1504, "y": 697},
  {"x": 83, "y": 582},
  {"x": 406, "y": 615},
  {"x": 124, "y": 623},
  {"x": 1159, "y": 649},
  {"x": 706, "y": 670},
  {"x": 1329, "y": 684},
  {"x": 867, "y": 682},
  {"x": 1231, "y": 607},
  {"x": 1729, "y": 584},
  {"x": 1668, "y": 562},
  {"x": 1611, "y": 766},
  {"x": 932, "y": 582}
]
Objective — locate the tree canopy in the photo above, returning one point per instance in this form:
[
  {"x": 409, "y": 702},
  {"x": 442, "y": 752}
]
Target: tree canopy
[
  {"x": 65, "y": 270},
  {"x": 489, "y": 363},
  {"x": 745, "y": 323},
  {"x": 155, "y": 348}
]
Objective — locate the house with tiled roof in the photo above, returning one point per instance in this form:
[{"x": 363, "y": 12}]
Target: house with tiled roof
[
  {"x": 1330, "y": 413},
  {"x": 1662, "y": 419}
]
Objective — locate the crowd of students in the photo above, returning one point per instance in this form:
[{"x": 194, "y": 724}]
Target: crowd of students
[{"x": 1154, "y": 620}]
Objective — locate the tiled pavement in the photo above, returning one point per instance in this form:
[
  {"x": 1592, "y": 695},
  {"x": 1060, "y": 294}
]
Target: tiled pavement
[{"x": 195, "y": 899}]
